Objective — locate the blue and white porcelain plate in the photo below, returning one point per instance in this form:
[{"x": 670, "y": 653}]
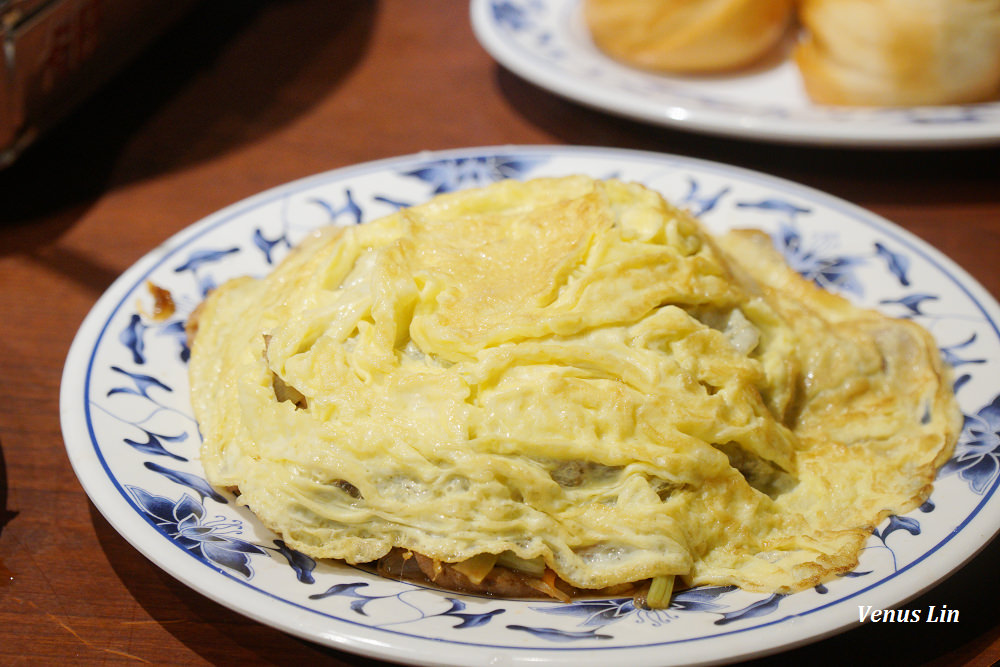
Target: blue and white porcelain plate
[
  {"x": 547, "y": 42},
  {"x": 133, "y": 442}
]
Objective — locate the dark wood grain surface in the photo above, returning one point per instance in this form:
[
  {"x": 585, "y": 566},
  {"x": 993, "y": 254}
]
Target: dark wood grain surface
[{"x": 242, "y": 96}]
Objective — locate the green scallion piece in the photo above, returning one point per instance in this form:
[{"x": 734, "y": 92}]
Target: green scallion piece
[{"x": 660, "y": 590}]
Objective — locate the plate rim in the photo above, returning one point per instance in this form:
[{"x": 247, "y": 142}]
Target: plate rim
[{"x": 100, "y": 315}]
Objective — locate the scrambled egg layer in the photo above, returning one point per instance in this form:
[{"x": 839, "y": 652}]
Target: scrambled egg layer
[{"x": 573, "y": 370}]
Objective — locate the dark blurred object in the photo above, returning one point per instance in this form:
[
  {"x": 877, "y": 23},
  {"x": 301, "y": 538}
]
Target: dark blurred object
[{"x": 57, "y": 52}]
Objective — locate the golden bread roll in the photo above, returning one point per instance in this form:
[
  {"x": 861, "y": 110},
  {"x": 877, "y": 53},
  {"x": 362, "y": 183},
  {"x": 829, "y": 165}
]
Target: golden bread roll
[
  {"x": 688, "y": 35},
  {"x": 900, "y": 52}
]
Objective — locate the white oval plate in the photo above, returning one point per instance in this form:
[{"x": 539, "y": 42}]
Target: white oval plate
[
  {"x": 546, "y": 42},
  {"x": 134, "y": 444}
]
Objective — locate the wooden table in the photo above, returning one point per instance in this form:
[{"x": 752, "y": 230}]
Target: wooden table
[{"x": 245, "y": 96}]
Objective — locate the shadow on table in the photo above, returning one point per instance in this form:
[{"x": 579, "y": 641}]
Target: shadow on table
[
  {"x": 222, "y": 636},
  {"x": 214, "y": 632},
  {"x": 884, "y": 175},
  {"x": 5, "y": 515},
  {"x": 214, "y": 81}
]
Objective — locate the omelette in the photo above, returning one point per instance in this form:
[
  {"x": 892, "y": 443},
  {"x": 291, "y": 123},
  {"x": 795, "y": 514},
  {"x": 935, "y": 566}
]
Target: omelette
[{"x": 564, "y": 385}]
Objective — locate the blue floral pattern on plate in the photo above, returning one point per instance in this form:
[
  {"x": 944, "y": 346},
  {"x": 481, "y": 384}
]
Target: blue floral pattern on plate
[
  {"x": 977, "y": 456},
  {"x": 134, "y": 443}
]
